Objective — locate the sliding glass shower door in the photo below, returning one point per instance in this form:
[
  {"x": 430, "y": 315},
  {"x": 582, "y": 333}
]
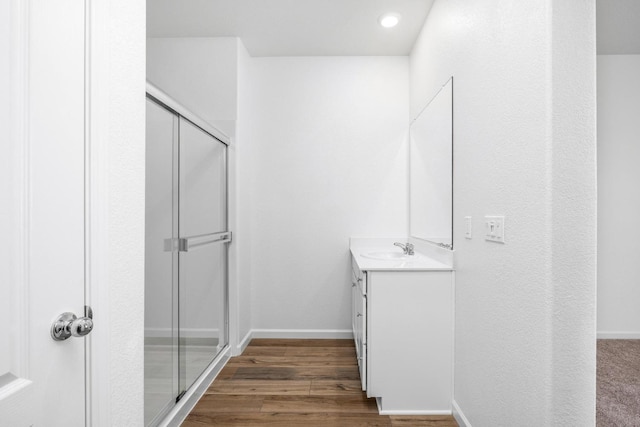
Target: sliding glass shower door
[
  {"x": 186, "y": 256},
  {"x": 203, "y": 256}
]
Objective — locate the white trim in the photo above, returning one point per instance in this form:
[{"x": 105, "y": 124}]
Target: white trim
[
  {"x": 16, "y": 402},
  {"x": 411, "y": 412},
  {"x": 88, "y": 261},
  {"x": 21, "y": 150},
  {"x": 13, "y": 387},
  {"x": 98, "y": 284},
  {"x": 459, "y": 415},
  {"x": 618, "y": 335},
  {"x": 408, "y": 411},
  {"x": 180, "y": 411},
  {"x": 303, "y": 333},
  {"x": 242, "y": 346},
  {"x": 453, "y": 332}
]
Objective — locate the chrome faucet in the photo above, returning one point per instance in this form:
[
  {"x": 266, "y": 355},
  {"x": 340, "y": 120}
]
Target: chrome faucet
[{"x": 407, "y": 248}]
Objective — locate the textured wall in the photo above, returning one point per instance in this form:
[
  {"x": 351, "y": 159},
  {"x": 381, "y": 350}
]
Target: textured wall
[
  {"x": 121, "y": 134},
  {"x": 618, "y": 195},
  {"x": 327, "y": 143},
  {"x": 510, "y": 158},
  {"x": 572, "y": 157}
]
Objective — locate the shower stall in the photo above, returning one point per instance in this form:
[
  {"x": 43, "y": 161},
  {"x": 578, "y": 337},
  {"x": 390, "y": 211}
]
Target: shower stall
[{"x": 187, "y": 237}]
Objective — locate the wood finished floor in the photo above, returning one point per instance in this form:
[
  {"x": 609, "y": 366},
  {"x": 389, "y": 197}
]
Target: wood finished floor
[{"x": 286, "y": 382}]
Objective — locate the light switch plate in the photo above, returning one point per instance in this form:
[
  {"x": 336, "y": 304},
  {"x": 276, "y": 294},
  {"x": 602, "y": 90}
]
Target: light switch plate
[
  {"x": 468, "y": 227},
  {"x": 494, "y": 228}
]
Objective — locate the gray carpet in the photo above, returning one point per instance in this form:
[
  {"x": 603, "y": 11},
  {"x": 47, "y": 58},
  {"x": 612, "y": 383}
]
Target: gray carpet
[{"x": 618, "y": 383}]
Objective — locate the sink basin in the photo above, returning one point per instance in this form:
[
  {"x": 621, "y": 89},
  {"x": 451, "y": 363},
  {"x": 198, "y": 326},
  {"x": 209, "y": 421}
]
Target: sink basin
[{"x": 387, "y": 255}]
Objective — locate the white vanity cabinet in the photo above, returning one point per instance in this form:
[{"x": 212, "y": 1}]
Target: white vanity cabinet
[{"x": 403, "y": 328}]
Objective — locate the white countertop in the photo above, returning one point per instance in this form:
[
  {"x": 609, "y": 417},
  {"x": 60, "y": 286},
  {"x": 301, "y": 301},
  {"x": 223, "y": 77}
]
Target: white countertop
[{"x": 417, "y": 262}]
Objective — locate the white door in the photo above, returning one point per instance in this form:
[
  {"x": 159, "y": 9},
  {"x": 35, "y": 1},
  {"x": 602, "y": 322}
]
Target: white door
[{"x": 42, "y": 210}]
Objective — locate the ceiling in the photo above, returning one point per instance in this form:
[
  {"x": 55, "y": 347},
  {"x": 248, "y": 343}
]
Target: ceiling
[
  {"x": 618, "y": 27},
  {"x": 342, "y": 27},
  {"x": 294, "y": 27}
]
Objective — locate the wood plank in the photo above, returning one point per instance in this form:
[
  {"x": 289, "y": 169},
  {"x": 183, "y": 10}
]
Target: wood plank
[
  {"x": 309, "y": 404},
  {"x": 289, "y": 420},
  {"x": 331, "y": 387},
  {"x": 291, "y": 361},
  {"x": 319, "y": 351},
  {"x": 287, "y": 342},
  {"x": 296, "y": 373},
  {"x": 265, "y": 373},
  {"x": 227, "y": 372},
  {"x": 423, "y": 421},
  {"x": 215, "y": 403},
  {"x": 264, "y": 351},
  {"x": 264, "y": 387}
]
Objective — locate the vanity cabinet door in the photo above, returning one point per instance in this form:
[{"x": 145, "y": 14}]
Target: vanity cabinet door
[{"x": 410, "y": 341}]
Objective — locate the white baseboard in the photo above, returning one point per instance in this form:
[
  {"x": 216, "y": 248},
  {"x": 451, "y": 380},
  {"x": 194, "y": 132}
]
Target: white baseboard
[
  {"x": 408, "y": 411},
  {"x": 303, "y": 333},
  {"x": 618, "y": 335},
  {"x": 244, "y": 342},
  {"x": 459, "y": 416}
]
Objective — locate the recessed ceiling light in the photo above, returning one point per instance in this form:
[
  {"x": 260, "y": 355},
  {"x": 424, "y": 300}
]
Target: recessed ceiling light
[{"x": 389, "y": 20}]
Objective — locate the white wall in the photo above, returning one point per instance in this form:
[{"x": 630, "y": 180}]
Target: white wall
[
  {"x": 244, "y": 209},
  {"x": 618, "y": 196},
  {"x": 326, "y": 138},
  {"x": 199, "y": 73},
  {"x": 525, "y": 309},
  {"x": 117, "y": 212}
]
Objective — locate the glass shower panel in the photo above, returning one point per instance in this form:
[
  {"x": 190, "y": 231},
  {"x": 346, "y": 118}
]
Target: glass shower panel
[
  {"x": 203, "y": 198},
  {"x": 160, "y": 350},
  {"x": 202, "y": 325},
  {"x": 203, "y": 257}
]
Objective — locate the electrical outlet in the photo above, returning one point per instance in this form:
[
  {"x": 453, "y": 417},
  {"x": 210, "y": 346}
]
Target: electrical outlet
[
  {"x": 468, "y": 227},
  {"x": 494, "y": 228}
]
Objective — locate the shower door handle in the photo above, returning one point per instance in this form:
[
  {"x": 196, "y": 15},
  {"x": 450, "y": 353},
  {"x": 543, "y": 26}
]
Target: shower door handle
[{"x": 190, "y": 243}]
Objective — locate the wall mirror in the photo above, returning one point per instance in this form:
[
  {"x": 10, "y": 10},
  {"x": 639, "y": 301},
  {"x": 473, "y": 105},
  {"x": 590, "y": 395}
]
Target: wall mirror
[{"x": 431, "y": 170}]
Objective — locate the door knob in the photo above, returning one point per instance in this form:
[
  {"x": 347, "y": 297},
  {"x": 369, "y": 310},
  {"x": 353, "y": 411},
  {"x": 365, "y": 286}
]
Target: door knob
[{"x": 69, "y": 325}]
